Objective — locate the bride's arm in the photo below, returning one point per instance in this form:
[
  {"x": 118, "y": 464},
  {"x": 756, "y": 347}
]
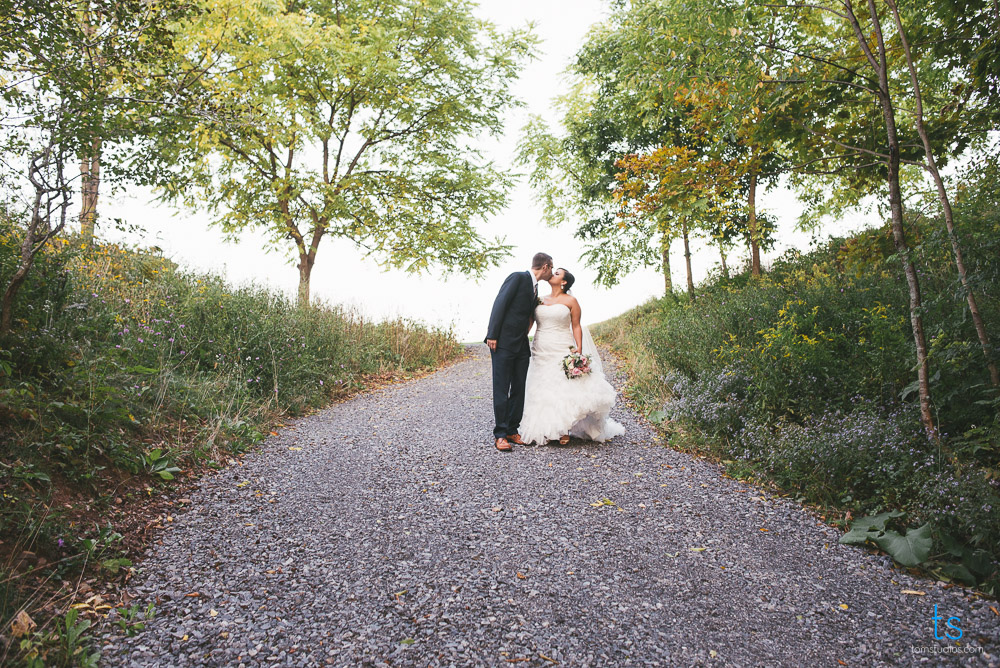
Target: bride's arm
[{"x": 574, "y": 314}]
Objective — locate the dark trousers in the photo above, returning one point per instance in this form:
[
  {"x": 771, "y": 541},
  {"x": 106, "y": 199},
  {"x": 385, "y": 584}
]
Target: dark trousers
[{"x": 510, "y": 369}]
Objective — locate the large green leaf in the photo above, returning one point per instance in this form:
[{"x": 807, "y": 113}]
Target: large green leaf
[
  {"x": 858, "y": 536},
  {"x": 980, "y": 562},
  {"x": 960, "y": 573},
  {"x": 864, "y": 529},
  {"x": 908, "y": 550}
]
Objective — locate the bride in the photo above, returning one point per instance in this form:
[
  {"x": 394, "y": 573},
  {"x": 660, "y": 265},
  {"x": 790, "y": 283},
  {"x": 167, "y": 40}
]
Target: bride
[{"x": 557, "y": 407}]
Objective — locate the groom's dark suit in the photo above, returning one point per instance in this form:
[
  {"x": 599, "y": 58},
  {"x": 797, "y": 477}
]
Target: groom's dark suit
[{"x": 509, "y": 323}]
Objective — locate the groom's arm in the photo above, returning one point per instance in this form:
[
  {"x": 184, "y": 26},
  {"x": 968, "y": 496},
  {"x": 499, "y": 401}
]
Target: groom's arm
[{"x": 500, "y": 305}]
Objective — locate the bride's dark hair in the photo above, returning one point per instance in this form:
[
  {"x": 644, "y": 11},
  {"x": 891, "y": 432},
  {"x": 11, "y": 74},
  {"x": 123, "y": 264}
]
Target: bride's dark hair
[{"x": 568, "y": 277}]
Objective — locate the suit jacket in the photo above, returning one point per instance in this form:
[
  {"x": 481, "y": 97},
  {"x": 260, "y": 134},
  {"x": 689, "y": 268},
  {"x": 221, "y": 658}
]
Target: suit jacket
[{"x": 512, "y": 311}]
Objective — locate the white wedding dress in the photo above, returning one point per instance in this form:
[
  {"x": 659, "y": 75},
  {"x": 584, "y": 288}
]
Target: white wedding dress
[{"x": 555, "y": 405}]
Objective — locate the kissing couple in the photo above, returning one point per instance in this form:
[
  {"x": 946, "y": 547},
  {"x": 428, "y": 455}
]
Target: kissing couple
[{"x": 538, "y": 393}]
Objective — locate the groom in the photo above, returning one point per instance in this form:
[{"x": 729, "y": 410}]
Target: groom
[{"x": 507, "y": 338}]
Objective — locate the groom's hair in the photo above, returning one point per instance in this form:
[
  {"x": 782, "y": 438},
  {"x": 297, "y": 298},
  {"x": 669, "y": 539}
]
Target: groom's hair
[{"x": 540, "y": 260}]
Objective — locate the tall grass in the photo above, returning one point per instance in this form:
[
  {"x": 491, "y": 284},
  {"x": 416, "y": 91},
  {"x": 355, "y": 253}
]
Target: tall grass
[
  {"x": 805, "y": 376},
  {"x": 123, "y": 372}
]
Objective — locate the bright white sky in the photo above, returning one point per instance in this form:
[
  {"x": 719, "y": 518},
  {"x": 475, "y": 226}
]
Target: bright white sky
[{"x": 342, "y": 276}]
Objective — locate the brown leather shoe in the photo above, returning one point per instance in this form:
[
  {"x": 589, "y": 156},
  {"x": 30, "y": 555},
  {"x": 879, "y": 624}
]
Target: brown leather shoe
[
  {"x": 515, "y": 438},
  {"x": 503, "y": 445}
]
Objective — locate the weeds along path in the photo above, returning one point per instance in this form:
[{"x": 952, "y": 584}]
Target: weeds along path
[{"x": 387, "y": 530}]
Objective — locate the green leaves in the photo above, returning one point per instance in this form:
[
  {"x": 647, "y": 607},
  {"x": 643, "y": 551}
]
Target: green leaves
[
  {"x": 355, "y": 121},
  {"x": 865, "y": 528},
  {"x": 909, "y": 549},
  {"x": 73, "y": 630},
  {"x": 157, "y": 462},
  {"x": 113, "y": 566}
]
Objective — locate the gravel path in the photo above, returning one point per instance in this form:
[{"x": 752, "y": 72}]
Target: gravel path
[{"x": 386, "y": 530}]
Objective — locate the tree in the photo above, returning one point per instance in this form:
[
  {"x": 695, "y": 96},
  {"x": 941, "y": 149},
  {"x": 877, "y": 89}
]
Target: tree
[
  {"x": 932, "y": 169},
  {"x": 816, "y": 69},
  {"x": 50, "y": 111},
  {"x": 686, "y": 189},
  {"x": 574, "y": 174},
  {"x": 50, "y": 201},
  {"x": 352, "y": 120},
  {"x": 673, "y": 46}
]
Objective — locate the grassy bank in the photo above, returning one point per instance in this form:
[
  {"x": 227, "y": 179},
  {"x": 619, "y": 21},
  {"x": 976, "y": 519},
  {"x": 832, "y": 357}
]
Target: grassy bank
[
  {"x": 803, "y": 377},
  {"x": 124, "y": 378}
]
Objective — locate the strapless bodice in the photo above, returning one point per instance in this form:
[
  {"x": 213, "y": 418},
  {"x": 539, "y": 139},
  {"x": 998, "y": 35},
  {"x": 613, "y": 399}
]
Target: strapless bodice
[{"x": 554, "y": 330}]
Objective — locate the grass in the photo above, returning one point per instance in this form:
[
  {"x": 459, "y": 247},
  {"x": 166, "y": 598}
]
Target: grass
[
  {"x": 125, "y": 378},
  {"x": 626, "y": 336},
  {"x": 802, "y": 379}
]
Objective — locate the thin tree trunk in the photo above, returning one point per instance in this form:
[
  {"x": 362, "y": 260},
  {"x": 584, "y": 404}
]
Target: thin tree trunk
[
  {"x": 305, "y": 266},
  {"x": 307, "y": 260},
  {"x": 752, "y": 225},
  {"x": 668, "y": 283},
  {"x": 90, "y": 169},
  {"x": 40, "y": 229},
  {"x": 27, "y": 260},
  {"x": 722, "y": 254},
  {"x": 896, "y": 207},
  {"x": 949, "y": 219},
  {"x": 687, "y": 261}
]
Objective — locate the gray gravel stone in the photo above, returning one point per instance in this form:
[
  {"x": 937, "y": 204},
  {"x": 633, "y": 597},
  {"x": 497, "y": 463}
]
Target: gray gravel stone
[{"x": 387, "y": 530}]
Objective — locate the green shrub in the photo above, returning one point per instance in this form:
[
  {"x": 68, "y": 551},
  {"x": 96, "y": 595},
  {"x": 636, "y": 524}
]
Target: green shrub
[
  {"x": 805, "y": 375},
  {"x": 123, "y": 369}
]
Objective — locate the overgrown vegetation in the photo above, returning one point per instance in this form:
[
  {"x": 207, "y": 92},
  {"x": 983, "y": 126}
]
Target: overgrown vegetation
[
  {"x": 804, "y": 377},
  {"x": 122, "y": 373},
  {"x": 683, "y": 113}
]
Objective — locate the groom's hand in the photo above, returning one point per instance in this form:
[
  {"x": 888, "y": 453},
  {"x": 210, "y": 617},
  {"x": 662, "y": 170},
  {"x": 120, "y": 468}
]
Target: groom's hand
[{"x": 491, "y": 343}]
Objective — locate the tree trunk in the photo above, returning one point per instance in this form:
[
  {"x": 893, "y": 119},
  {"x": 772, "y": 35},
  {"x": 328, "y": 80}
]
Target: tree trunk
[
  {"x": 896, "y": 207},
  {"x": 722, "y": 254},
  {"x": 668, "y": 283},
  {"x": 752, "y": 225},
  {"x": 949, "y": 219},
  {"x": 90, "y": 170},
  {"x": 40, "y": 229},
  {"x": 687, "y": 261},
  {"x": 90, "y": 167},
  {"x": 7, "y": 303},
  {"x": 306, "y": 262}
]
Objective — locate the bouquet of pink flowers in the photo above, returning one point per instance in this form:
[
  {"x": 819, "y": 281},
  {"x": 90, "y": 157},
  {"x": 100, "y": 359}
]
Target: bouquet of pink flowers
[{"x": 576, "y": 365}]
